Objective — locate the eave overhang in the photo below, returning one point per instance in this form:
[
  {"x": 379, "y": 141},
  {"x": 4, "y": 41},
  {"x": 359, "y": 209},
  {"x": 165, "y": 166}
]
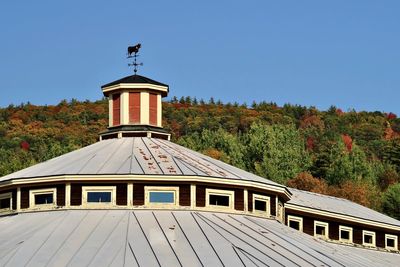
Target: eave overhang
[{"x": 135, "y": 86}]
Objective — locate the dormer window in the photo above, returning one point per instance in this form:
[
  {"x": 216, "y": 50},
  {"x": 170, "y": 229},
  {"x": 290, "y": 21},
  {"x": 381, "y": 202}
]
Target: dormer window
[
  {"x": 295, "y": 222},
  {"x": 261, "y": 204},
  {"x": 368, "y": 238},
  {"x": 391, "y": 242},
  {"x": 42, "y": 198},
  {"x": 5, "y": 202},
  {"x": 219, "y": 198},
  {"x": 321, "y": 229},
  {"x": 97, "y": 196},
  {"x": 161, "y": 196},
  {"x": 345, "y": 234}
]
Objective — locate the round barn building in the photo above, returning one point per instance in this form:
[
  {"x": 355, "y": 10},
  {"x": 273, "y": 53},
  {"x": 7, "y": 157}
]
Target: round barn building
[{"x": 136, "y": 199}]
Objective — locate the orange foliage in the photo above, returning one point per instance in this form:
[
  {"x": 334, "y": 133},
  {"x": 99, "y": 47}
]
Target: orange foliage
[
  {"x": 339, "y": 112},
  {"x": 312, "y": 121},
  {"x": 214, "y": 153},
  {"x": 390, "y": 134},
  {"x": 180, "y": 106},
  {"x": 354, "y": 191},
  {"x": 305, "y": 181},
  {"x": 310, "y": 143},
  {"x": 348, "y": 142}
]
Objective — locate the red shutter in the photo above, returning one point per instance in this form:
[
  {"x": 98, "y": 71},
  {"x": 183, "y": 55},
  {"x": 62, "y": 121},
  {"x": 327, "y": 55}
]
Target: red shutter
[
  {"x": 116, "y": 109},
  {"x": 134, "y": 107},
  {"x": 153, "y": 109}
]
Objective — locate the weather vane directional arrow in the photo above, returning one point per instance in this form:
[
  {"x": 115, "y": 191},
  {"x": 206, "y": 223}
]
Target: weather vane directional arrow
[{"x": 133, "y": 53}]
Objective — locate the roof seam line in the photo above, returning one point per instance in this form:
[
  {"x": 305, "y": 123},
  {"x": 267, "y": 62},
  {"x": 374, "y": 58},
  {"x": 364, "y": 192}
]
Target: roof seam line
[
  {"x": 166, "y": 238},
  {"x": 250, "y": 219},
  {"x": 187, "y": 239},
  {"x": 111, "y": 154},
  {"x": 69, "y": 235},
  {"x": 270, "y": 240},
  {"x": 241, "y": 239},
  {"x": 87, "y": 238},
  {"x": 206, "y": 237},
  {"x": 47, "y": 238},
  {"x": 106, "y": 239},
  {"x": 145, "y": 236}
]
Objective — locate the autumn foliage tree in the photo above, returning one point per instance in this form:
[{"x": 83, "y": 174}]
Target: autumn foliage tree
[{"x": 305, "y": 181}]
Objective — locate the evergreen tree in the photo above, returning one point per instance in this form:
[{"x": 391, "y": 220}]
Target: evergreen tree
[
  {"x": 276, "y": 152},
  {"x": 348, "y": 165},
  {"x": 391, "y": 201}
]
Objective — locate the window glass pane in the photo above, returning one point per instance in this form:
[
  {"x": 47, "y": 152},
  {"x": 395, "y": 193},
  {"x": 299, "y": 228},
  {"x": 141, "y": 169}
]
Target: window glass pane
[
  {"x": 368, "y": 239},
  {"x": 390, "y": 242},
  {"x": 320, "y": 230},
  {"x": 345, "y": 234},
  {"x": 43, "y": 199},
  {"x": 5, "y": 203},
  {"x": 260, "y": 205},
  {"x": 99, "y": 197},
  {"x": 294, "y": 224},
  {"x": 162, "y": 197},
  {"x": 219, "y": 200}
]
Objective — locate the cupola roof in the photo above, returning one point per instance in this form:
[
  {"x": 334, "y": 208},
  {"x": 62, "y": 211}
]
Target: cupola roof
[
  {"x": 134, "y": 79},
  {"x": 135, "y": 82}
]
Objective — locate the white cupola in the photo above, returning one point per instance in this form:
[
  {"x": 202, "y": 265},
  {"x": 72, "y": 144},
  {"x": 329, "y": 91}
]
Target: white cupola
[{"x": 135, "y": 107}]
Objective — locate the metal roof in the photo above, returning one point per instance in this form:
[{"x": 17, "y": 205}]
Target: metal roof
[
  {"x": 136, "y": 155},
  {"x": 167, "y": 238},
  {"x": 337, "y": 205}
]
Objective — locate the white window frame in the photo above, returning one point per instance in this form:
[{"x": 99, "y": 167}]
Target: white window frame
[
  {"x": 173, "y": 189},
  {"x": 396, "y": 240},
  {"x": 88, "y": 189},
  {"x": 373, "y": 234},
  {"x": 33, "y": 193},
  {"x": 295, "y": 219},
  {"x": 6, "y": 196},
  {"x": 280, "y": 212},
  {"x": 265, "y": 199},
  {"x": 321, "y": 224},
  {"x": 348, "y": 229},
  {"x": 219, "y": 192}
]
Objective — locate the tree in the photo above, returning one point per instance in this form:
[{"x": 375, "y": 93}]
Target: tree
[
  {"x": 391, "y": 201},
  {"x": 217, "y": 144},
  {"x": 387, "y": 176},
  {"x": 305, "y": 181},
  {"x": 357, "y": 191},
  {"x": 348, "y": 165},
  {"x": 276, "y": 152},
  {"x": 391, "y": 153}
]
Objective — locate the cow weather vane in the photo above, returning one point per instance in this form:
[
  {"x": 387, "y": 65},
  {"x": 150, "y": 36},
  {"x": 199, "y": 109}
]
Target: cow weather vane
[{"x": 133, "y": 53}]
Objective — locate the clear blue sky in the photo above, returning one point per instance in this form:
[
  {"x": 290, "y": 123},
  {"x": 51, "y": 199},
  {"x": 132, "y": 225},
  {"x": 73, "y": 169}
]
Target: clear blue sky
[{"x": 321, "y": 53}]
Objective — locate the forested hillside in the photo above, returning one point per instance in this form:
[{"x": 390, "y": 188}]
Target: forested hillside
[{"x": 355, "y": 155}]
